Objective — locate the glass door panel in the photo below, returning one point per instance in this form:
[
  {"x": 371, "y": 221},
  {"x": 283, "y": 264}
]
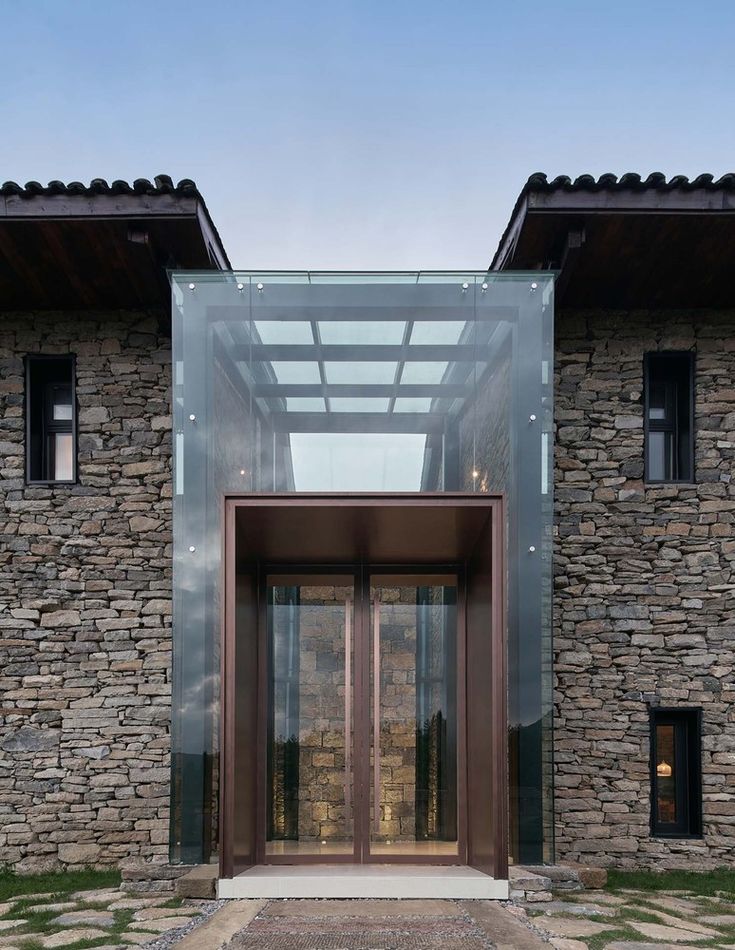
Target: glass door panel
[
  {"x": 310, "y": 721},
  {"x": 413, "y": 717}
]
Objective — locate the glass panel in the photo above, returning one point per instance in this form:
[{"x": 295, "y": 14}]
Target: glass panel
[
  {"x": 310, "y": 720},
  {"x": 659, "y": 455},
  {"x": 413, "y": 703},
  {"x": 62, "y": 410},
  {"x": 284, "y": 331},
  {"x": 366, "y": 462},
  {"x": 358, "y": 405},
  {"x": 439, "y": 331},
  {"x": 63, "y": 457},
  {"x": 358, "y": 332},
  {"x": 666, "y": 766},
  {"x": 296, "y": 372},
  {"x": 423, "y": 372},
  {"x": 360, "y": 372},
  {"x": 656, "y": 401},
  {"x": 456, "y": 416}
]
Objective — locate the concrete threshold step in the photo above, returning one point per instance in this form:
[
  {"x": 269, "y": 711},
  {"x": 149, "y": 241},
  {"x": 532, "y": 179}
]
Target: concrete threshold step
[{"x": 361, "y": 881}]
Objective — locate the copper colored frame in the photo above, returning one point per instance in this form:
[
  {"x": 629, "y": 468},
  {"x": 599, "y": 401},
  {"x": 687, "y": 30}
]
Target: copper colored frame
[{"x": 490, "y": 855}]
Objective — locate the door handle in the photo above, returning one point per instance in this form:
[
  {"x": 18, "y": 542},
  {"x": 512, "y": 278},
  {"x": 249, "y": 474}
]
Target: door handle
[
  {"x": 376, "y": 713},
  {"x": 348, "y": 704}
]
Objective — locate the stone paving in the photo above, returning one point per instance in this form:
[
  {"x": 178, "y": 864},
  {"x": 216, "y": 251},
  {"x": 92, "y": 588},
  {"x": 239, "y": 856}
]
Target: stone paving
[
  {"x": 627, "y": 920},
  {"x": 635, "y": 920},
  {"x": 362, "y": 925},
  {"x": 105, "y": 919}
]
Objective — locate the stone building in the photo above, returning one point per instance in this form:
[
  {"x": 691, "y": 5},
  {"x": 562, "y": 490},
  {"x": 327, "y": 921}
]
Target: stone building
[{"x": 279, "y": 568}]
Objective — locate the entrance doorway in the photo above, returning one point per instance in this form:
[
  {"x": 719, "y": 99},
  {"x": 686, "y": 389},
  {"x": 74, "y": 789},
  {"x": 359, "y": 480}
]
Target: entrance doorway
[
  {"x": 364, "y": 691},
  {"x": 364, "y": 737}
]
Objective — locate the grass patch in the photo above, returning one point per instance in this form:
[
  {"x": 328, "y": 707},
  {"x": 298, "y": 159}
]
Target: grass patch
[
  {"x": 58, "y": 883},
  {"x": 701, "y": 883},
  {"x": 174, "y": 902}
]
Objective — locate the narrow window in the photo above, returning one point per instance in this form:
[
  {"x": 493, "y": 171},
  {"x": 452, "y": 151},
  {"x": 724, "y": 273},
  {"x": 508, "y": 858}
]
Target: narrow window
[
  {"x": 50, "y": 419},
  {"x": 669, "y": 417},
  {"x": 676, "y": 800}
]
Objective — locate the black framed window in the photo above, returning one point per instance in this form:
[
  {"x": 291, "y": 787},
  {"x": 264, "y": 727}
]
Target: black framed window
[
  {"x": 50, "y": 419},
  {"x": 676, "y": 773},
  {"x": 669, "y": 416}
]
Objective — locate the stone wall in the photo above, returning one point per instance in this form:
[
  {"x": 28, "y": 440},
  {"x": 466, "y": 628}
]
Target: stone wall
[
  {"x": 85, "y": 602},
  {"x": 644, "y": 587}
]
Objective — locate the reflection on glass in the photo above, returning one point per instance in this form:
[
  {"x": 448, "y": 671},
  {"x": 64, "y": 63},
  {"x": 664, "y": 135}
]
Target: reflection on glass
[
  {"x": 284, "y": 331},
  {"x": 437, "y": 331},
  {"x": 413, "y": 794},
  {"x": 657, "y": 401},
  {"x": 412, "y": 404},
  {"x": 310, "y": 659},
  {"x": 659, "y": 455},
  {"x": 62, "y": 403},
  {"x": 666, "y": 774},
  {"x": 304, "y": 404},
  {"x": 296, "y": 371},
  {"x": 357, "y": 371},
  {"x": 62, "y": 455},
  {"x": 360, "y": 332},
  {"x": 417, "y": 372},
  {"x": 366, "y": 461},
  {"x": 338, "y": 404}
]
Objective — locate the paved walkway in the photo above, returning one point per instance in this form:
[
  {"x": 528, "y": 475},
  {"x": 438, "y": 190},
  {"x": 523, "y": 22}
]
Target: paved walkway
[{"x": 382, "y": 925}]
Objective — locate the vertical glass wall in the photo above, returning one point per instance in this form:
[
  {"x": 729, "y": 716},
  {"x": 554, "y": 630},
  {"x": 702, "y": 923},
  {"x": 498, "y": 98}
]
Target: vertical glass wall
[{"x": 361, "y": 382}]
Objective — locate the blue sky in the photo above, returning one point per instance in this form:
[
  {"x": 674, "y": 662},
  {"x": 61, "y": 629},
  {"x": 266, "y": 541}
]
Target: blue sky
[{"x": 364, "y": 134}]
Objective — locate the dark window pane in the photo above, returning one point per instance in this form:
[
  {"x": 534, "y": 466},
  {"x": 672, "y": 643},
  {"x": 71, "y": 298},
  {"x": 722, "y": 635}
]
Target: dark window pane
[
  {"x": 668, "y": 417},
  {"x": 657, "y": 401},
  {"x": 61, "y": 403},
  {"x": 50, "y": 419}
]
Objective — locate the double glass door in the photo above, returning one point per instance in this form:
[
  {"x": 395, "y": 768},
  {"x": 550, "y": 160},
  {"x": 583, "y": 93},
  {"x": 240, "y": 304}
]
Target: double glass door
[{"x": 363, "y": 743}]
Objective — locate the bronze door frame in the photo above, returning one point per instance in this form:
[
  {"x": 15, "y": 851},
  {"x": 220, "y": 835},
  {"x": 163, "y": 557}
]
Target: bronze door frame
[{"x": 470, "y": 800}]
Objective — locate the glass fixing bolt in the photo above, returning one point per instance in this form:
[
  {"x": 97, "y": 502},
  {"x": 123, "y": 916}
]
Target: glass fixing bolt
[
  {"x": 192, "y": 417},
  {"x": 192, "y": 549},
  {"x": 532, "y": 417},
  {"x": 192, "y": 287},
  {"x": 532, "y": 549}
]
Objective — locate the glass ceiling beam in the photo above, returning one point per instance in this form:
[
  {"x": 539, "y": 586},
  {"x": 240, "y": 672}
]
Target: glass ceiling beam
[
  {"x": 390, "y": 390},
  {"x": 372, "y": 352},
  {"x": 350, "y": 422}
]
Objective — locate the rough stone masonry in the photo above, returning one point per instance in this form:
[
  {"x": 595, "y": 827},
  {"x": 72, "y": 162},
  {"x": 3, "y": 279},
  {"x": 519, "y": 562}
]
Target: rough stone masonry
[
  {"x": 85, "y": 602},
  {"x": 644, "y": 608}
]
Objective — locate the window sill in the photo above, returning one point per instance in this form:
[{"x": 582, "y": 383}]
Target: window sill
[
  {"x": 671, "y": 835},
  {"x": 50, "y": 483},
  {"x": 671, "y": 484}
]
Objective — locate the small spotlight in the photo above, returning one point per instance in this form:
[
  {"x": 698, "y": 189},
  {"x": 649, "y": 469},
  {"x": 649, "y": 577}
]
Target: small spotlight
[{"x": 475, "y": 473}]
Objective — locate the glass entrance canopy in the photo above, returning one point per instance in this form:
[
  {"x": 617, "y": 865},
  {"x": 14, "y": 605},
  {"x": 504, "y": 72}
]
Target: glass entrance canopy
[{"x": 392, "y": 382}]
